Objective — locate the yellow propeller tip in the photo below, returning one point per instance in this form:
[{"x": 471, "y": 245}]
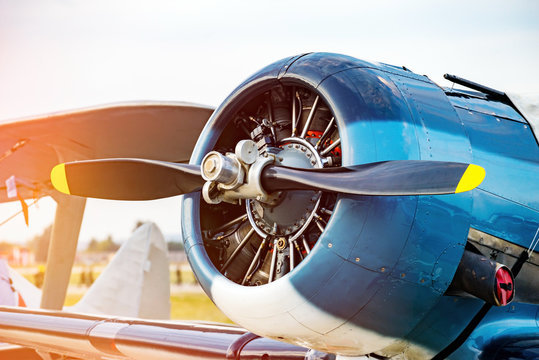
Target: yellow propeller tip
[
  {"x": 59, "y": 178},
  {"x": 472, "y": 178}
]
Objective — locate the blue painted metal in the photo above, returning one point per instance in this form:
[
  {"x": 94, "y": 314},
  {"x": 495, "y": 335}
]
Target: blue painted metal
[
  {"x": 479, "y": 104},
  {"x": 384, "y": 263},
  {"x": 391, "y": 115},
  {"x": 509, "y": 332},
  {"x": 504, "y": 218}
]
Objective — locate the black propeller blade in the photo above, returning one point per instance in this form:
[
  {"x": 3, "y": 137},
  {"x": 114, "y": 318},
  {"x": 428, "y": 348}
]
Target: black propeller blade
[
  {"x": 126, "y": 179},
  {"x": 403, "y": 177},
  {"x": 140, "y": 179}
]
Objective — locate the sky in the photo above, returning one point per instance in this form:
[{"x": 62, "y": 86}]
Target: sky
[{"x": 65, "y": 54}]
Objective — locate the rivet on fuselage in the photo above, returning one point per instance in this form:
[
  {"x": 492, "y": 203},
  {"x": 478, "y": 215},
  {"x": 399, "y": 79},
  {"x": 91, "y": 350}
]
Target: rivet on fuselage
[
  {"x": 357, "y": 259},
  {"x": 330, "y": 245},
  {"x": 383, "y": 269}
]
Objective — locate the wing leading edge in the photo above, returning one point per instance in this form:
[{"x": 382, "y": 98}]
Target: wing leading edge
[{"x": 31, "y": 147}]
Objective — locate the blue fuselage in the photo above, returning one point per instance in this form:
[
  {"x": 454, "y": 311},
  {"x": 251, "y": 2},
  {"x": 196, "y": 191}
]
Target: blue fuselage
[{"x": 384, "y": 263}]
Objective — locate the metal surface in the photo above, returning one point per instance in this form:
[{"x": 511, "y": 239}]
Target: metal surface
[
  {"x": 503, "y": 251},
  {"x": 234, "y": 350},
  {"x": 505, "y": 333},
  {"x": 62, "y": 250},
  {"x": 140, "y": 129},
  {"x": 404, "y": 177},
  {"x": 477, "y": 103},
  {"x": 293, "y": 211},
  {"x": 486, "y": 241},
  {"x": 221, "y": 168},
  {"x": 9, "y": 352},
  {"x": 476, "y": 275},
  {"x": 381, "y": 125},
  {"x": 93, "y": 337},
  {"x": 475, "y": 86},
  {"x": 309, "y": 118},
  {"x": 129, "y": 179},
  {"x": 506, "y": 205},
  {"x": 120, "y": 179},
  {"x": 152, "y": 130},
  {"x": 375, "y": 279}
]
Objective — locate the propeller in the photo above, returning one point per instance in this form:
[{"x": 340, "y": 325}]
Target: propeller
[
  {"x": 141, "y": 179},
  {"x": 126, "y": 179},
  {"x": 401, "y": 177}
]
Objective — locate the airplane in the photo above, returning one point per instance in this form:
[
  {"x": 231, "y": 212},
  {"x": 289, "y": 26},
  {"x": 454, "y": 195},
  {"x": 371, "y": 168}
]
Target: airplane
[
  {"x": 135, "y": 283},
  {"x": 351, "y": 209}
]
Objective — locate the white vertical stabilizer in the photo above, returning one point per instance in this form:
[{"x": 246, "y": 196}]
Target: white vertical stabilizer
[{"x": 136, "y": 283}]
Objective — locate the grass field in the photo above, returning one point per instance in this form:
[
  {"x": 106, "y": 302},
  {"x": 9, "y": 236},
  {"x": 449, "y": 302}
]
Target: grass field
[
  {"x": 75, "y": 277},
  {"x": 188, "y": 305},
  {"x": 195, "y": 306},
  {"x": 185, "y": 306}
]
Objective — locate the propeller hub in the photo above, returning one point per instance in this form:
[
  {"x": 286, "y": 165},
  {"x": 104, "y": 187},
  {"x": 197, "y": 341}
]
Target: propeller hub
[
  {"x": 210, "y": 166},
  {"x": 223, "y": 169},
  {"x": 291, "y": 212}
]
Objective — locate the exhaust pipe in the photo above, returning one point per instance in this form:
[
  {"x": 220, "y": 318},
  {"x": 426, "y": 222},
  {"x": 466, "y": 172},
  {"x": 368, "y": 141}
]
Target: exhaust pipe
[{"x": 483, "y": 278}]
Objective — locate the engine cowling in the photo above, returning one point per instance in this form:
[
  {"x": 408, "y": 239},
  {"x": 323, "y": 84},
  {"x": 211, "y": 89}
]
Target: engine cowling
[{"x": 339, "y": 273}]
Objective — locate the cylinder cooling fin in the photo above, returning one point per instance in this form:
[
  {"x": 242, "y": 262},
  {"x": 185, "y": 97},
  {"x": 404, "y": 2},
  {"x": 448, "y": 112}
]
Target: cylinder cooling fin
[{"x": 256, "y": 242}]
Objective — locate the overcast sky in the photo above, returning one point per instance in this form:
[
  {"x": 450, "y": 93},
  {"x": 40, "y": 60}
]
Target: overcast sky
[{"x": 57, "y": 55}]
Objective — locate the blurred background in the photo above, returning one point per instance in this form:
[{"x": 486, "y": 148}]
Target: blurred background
[{"x": 66, "y": 54}]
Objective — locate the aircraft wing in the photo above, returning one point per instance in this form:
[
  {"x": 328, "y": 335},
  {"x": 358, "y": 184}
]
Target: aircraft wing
[
  {"x": 93, "y": 337},
  {"x": 30, "y": 147}
]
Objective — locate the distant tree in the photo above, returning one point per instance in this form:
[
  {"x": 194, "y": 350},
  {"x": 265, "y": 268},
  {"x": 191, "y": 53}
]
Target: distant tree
[
  {"x": 138, "y": 224},
  {"x": 39, "y": 244},
  {"x": 93, "y": 245},
  {"x": 5, "y": 246},
  {"x": 175, "y": 246},
  {"x": 107, "y": 245}
]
